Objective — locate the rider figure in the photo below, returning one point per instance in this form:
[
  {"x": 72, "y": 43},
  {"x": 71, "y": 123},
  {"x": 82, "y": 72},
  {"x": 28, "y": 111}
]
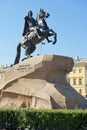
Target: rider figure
[{"x": 30, "y": 24}]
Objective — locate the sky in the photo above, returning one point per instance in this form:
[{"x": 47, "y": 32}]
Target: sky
[{"x": 68, "y": 18}]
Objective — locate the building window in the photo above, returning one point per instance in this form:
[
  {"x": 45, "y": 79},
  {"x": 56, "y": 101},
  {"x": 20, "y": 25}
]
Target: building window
[
  {"x": 80, "y": 70},
  {"x": 80, "y": 81},
  {"x": 80, "y": 91},
  {"x": 74, "y": 81}
]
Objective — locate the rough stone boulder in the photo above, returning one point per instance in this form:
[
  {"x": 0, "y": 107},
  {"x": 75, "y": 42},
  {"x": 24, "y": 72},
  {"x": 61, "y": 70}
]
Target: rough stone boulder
[{"x": 40, "y": 82}]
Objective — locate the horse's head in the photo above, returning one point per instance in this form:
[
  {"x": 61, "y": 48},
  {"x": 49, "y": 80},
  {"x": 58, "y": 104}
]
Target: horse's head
[{"x": 42, "y": 14}]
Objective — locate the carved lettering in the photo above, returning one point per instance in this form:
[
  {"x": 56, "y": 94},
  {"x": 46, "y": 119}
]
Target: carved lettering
[{"x": 24, "y": 68}]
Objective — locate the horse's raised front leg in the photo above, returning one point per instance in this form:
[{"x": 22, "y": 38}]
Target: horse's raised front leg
[
  {"x": 48, "y": 40},
  {"x": 54, "y": 34}
]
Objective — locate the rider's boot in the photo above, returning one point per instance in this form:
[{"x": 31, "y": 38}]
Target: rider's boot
[
  {"x": 38, "y": 36},
  {"x": 38, "y": 33}
]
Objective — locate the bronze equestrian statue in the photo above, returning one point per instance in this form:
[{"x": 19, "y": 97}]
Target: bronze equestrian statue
[{"x": 34, "y": 32}]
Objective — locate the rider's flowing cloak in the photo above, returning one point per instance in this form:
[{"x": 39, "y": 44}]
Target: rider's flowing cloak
[{"x": 26, "y": 26}]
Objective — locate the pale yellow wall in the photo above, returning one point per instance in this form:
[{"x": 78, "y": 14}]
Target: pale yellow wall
[
  {"x": 86, "y": 76},
  {"x": 79, "y": 72},
  {"x": 81, "y": 90}
]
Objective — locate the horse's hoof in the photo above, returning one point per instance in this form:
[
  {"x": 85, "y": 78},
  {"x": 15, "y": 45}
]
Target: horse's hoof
[
  {"x": 24, "y": 59},
  {"x": 54, "y": 43},
  {"x": 30, "y": 56}
]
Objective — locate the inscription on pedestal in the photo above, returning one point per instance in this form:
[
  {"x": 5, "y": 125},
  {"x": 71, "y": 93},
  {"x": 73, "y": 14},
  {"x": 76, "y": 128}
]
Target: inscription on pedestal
[{"x": 24, "y": 68}]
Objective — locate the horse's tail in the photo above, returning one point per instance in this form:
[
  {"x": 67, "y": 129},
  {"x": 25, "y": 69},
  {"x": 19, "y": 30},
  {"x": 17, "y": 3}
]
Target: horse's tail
[{"x": 17, "y": 59}]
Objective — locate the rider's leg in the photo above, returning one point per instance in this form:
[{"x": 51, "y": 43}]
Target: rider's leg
[{"x": 37, "y": 31}]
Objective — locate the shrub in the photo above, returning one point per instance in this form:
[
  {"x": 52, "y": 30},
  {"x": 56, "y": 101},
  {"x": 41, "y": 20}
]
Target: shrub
[{"x": 43, "y": 119}]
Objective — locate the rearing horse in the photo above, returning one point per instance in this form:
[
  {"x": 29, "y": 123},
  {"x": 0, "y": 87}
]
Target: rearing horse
[{"x": 30, "y": 40}]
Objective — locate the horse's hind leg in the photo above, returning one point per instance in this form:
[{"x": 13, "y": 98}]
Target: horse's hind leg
[
  {"x": 30, "y": 49},
  {"x": 27, "y": 49},
  {"x": 52, "y": 33},
  {"x": 33, "y": 48}
]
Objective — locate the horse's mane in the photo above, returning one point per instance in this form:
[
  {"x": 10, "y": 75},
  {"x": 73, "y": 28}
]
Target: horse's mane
[{"x": 37, "y": 19}]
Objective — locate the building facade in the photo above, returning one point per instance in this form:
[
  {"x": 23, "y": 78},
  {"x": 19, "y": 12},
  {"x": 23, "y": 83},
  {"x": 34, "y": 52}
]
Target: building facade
[{"x": 78, "y": 77}]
